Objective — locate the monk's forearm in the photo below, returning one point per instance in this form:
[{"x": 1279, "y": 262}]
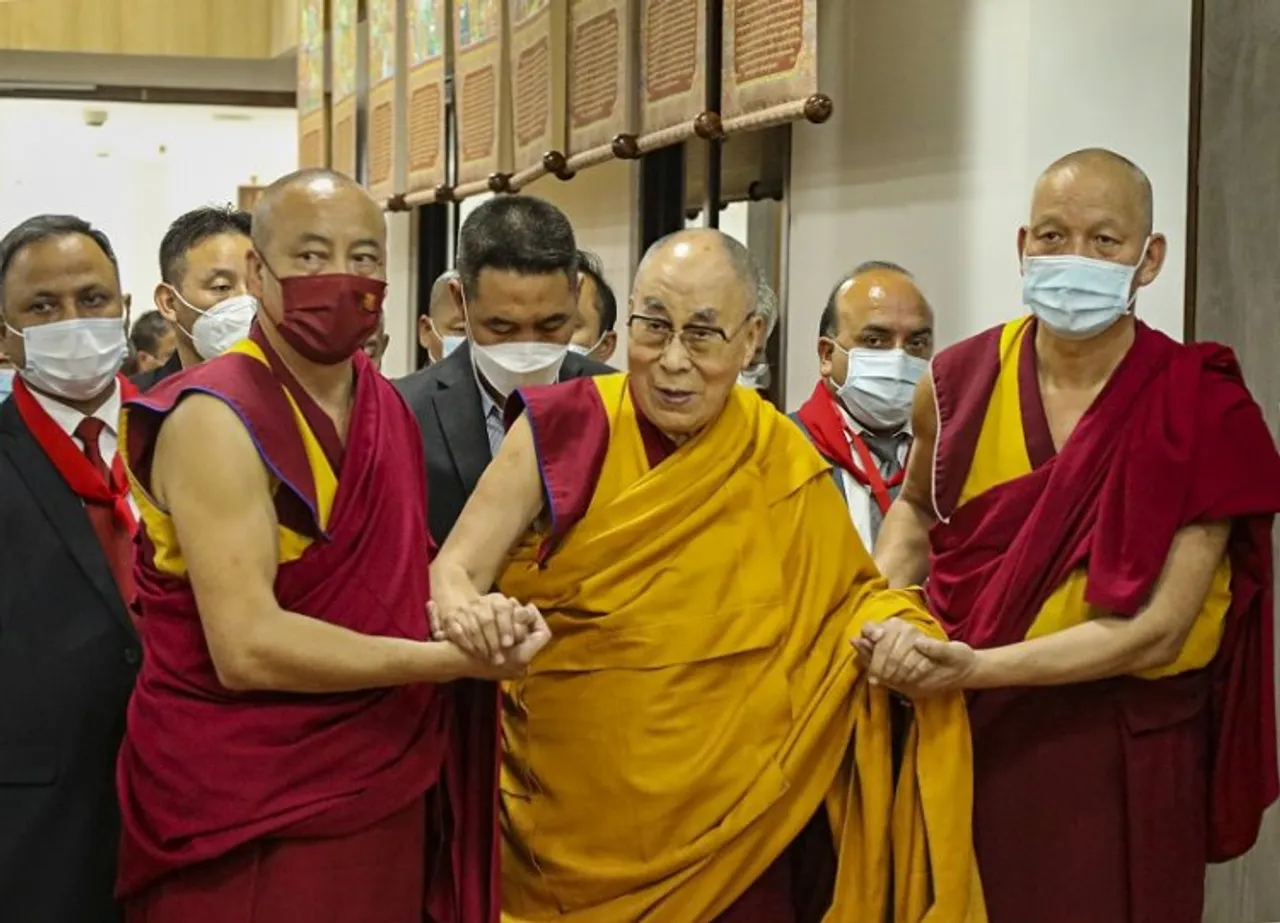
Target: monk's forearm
[
  {"x": 1098, "y": 649},
  {"x": 902, "y": 548},
  {"x": 290, "y": 652},
  {"x": 454, "y": 586}
]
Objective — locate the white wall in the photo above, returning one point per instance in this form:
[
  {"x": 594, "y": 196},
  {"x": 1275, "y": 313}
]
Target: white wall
[
  {"x": 137, "y": 172},
  {"x": 944, "y": 115}
]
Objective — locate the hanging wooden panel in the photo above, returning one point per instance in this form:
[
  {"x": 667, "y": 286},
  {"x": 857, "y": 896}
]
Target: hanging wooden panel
[
  {"x": 538, "y": 62},
  {"x": 345, "y": 58},
  {"x": 313, "y": 114},
  {"x": 673, "y": 70},
  {"x": 428, "y": 26},
  {"x": 386, "y": 55},
  {"x": 770, "y": 63},
  {"x": 603, "y": 74},
  {"x": 482, "y": 96}
]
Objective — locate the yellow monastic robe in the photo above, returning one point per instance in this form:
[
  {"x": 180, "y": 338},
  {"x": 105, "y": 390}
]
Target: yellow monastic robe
[{"x": 700, "y": 699}]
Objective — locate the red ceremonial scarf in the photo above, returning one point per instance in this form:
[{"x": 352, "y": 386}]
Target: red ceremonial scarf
[
  {"x": 85, "y": 481},
  {"x": 837, "y": 441}
]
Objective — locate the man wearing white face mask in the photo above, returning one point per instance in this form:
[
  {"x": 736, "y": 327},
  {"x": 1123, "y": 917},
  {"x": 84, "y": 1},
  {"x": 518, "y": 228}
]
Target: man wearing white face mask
[
  {"x": 202, "y": 292},
  {"x": 875, "y": 339},
  {"x": 443, "y": 328},
  {"x": 597, "y": 311},
  {"x": 517, "y": 289},
  {"x": 1091, "y": 502},
  {"x": 68, "y": 651}
]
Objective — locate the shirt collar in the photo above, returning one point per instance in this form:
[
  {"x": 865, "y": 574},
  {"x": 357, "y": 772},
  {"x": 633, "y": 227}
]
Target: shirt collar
[{"x": 68, "y": 418}]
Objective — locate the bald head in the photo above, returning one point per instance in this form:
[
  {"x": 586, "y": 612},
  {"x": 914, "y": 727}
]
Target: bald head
[
  {"x": 878, "y": 306},
  {"x": 315, "y": 186},
  {"x": 709, "y": 249},
  {"x": 1095, "y": 204},
  {"x": 440, "y": 304},
  {"x": 1125, "y": 183},
  {"x": 313, "y": 223}
]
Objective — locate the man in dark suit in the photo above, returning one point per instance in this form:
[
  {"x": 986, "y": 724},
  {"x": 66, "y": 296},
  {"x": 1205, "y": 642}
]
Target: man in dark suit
[
  {"x": 517, "y": 288},
  {"x": 202, "y": 294},
  {"x": 68, "y": 650}
]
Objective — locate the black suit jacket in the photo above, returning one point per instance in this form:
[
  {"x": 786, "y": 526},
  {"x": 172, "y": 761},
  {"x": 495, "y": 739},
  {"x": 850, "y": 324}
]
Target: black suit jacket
[
  {"x": 145, "y": 381},
  {"x": 68, "y": 659},
  {"x": 445, "y": 398}
]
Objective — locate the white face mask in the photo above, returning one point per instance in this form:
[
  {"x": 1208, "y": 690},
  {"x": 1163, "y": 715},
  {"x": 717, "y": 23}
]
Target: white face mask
[
  {"x": 880, "y": 385},
  {"x": 1077, "y": 297},
  {"x": 756, "y": 378},
  {"x": 508, "y": 366},
  {"x": 219, "y": 328},
  {"x": 450, "y": 343},
  {"x": 74, "y": 359}
]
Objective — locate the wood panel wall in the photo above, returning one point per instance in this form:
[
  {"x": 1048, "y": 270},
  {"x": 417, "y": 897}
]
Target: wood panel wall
[
  {"x": 1235, "y": 297},
  {"x": 190, "y": 28}
]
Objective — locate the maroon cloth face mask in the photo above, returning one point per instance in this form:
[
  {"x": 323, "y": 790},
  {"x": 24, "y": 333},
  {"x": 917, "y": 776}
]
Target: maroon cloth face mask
[{"x": 328, "y": 317}]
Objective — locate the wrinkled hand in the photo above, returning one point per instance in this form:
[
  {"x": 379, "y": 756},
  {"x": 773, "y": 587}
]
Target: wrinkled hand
[
  {"x": 951, "y": 666},
  {"x": 887, "y": 651},
  {"x": 491, "y": 628}
]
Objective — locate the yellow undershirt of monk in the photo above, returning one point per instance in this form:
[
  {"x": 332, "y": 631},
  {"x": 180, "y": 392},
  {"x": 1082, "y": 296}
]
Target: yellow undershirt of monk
[
  {"x": 160, "y": 530},
  {"x": 700, "y": 700},
  {"x": 1001, "y": 456}
]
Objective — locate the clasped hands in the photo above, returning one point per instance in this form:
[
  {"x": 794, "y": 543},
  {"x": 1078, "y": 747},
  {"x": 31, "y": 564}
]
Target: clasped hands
[
  {"x": 901, "y": 657},
  {"x": 494, "y": 629}
]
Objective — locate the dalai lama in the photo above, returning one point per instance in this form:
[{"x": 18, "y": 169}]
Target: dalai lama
[{"x": 696, "y": 737}]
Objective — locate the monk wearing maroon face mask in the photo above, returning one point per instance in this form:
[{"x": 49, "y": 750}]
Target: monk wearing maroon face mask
[{"x": 291, "y": 752}]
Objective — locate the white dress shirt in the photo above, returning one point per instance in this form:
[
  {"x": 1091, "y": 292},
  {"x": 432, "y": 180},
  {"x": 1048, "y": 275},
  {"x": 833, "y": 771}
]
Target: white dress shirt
[
  {"x": 68, "y": 418},
  {"x": 863, "y": 509}
]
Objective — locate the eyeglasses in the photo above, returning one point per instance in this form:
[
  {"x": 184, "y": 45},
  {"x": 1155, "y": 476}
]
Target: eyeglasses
[{"x": 697, "y": 339}]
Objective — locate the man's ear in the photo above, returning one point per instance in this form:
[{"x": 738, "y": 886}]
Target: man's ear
[
  {"x": 255, "y": 281},
  {"x": 1157, "y": 250},
  {"x": 608, "y": 343},
  {"x": 164, "y": 302}
]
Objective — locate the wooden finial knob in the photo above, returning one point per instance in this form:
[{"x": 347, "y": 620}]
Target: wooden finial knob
[
  {"x": 499, "y": 183},
  {"x": 625, "y": 147},
  {"x": 444, "y": 193},
  {"x": 818, "y": 108},
  {"x": 557, "y": 165},
  {"x": 708, "y": 126},
  {"x": 396, "y": 203}
]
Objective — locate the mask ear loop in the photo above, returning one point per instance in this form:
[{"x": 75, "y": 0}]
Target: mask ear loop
[{"x": 1133, "y": 278}]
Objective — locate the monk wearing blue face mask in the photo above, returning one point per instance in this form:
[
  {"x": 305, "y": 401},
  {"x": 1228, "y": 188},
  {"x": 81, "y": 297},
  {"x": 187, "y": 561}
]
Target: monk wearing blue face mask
[
  {"x": 1091, "y": 503},
  {"x": 875, "y": 339}
]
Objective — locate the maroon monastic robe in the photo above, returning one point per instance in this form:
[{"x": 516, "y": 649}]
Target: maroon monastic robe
[
  {"x": 1102, "y": 801},
  {"x": 238, "y": 803}
]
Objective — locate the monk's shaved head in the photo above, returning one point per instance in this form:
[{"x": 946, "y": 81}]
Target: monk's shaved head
[
  {"x": 707, "y": 241},
  {"x": 1129, "y": 186},
  {"x": 312, "y": 184}
]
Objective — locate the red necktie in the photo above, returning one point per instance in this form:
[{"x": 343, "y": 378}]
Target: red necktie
[{"x": 113, "y": 535}]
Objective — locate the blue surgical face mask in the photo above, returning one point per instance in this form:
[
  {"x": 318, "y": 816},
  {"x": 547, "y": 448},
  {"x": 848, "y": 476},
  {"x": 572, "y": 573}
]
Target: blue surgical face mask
[
  {"x": 1077, "y": 297},
  {"x": 6, "y": 383},
  {"x": 450, "y": 342},
  {"x": 880, "y": 385}
]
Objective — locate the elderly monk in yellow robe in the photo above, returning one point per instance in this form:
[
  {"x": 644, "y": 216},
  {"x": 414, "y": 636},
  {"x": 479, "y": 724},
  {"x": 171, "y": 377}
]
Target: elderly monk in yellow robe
[{"x": 697, "y": 733}]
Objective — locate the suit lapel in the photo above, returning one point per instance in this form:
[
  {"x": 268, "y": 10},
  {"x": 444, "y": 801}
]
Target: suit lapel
[
  {"x": 63, "y": 508},
  {"x": 461, "y": 417}
]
